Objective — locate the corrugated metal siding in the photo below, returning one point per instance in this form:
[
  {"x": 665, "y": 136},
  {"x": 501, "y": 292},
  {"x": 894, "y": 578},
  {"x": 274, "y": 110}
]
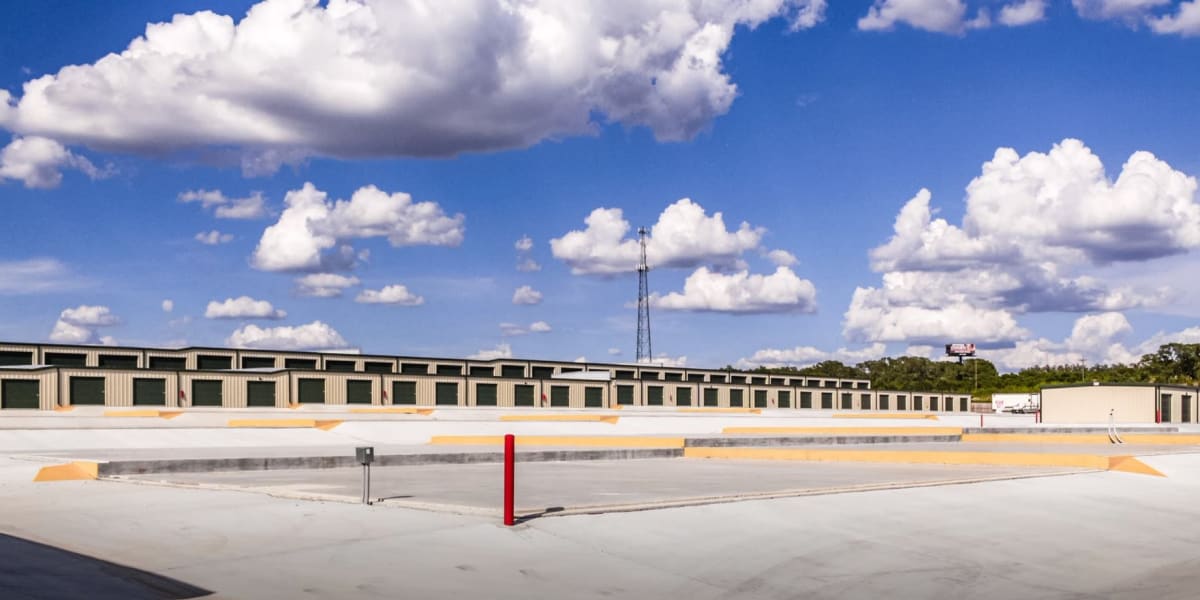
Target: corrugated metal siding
[{"x": 47, "y": 380}]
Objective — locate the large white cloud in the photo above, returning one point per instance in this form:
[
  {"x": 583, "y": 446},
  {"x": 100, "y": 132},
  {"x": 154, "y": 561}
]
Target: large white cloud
[
  {"x": 683, "y": 237},
  {"x": 312, "y": 336},
  {"x": 742, "y": 293},
  {"x": 314, "y": 233},
  {"x": 253, "y": 206},
  {"x": 78, "y": 325},
  {"x": 38, "y": 162},
  {"x": 396, "y": 294},
  {"x": 383, "y": 78},
  {"x": 1035, "y": 230},
  {"x": 803, "y": 356},
  {"x": 242, "y": 307}
]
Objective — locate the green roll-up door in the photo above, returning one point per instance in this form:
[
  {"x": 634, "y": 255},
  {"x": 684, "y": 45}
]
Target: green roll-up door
[
  {"x": 311, "y": 391},
  {"x": 213, "y": 363},
  {"x": 901, "y": 402},
  {"x": 9, "y": 359},
  {"x": 446, "y": 394},
  {"x": 260, "y": 393},
  {"x": 168, "y": 363},
  {"x": 785, "y": 399},
  {"x": 60, "y": 359},
  {"x": 512, "y": 371},
  {"x": 593, "y": 397},
  {"x": 683, "y": 396},
  {"x": 358, "y": 392},
  {"x": 258, "y": 362},
  {"x": 404, "y": 392},
  {"x": 864, "y": 401},
  {"x": 760, "y": 398},
  {"x": 523, "y": 395},
  {"x": 933, "y": 403},
  {"x": 1165, "y": 405},
  {"x": 883, "y": 402},
  {"x": 963, "y": 404},
  {"x": 206, "y": 393},
  {"x": 847, "y": 401},
  {"x": 711, "y": 397},
  {"x": 826, "y": 400},
  {"x": 149, "y": 392},
  {"x": 18, "y": 393},
  {"x": 560, "y": 395},
  {"x": 735, "y": 398},
  {"x": 654, "y": 395},
  {"x": 87, "y": 391},
  {"x": 109, "y": 361},
  {"x": 485, "y": 394},
  {"x": 625, "y": 395},
  {"x": 918, "y": 403}
]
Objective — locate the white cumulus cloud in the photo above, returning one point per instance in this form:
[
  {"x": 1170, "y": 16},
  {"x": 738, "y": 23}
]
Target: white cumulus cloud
[
  {"x": 253, "y": 206},
  {"x": 948, "y": 16},
  {"x": 526, "y": 295},
  {"x": 1184, "y": 22},
  {"x": 1035, "y": 231},
  {"x": 324, "y": 285},
  {"x": 1023, "y": 13},
  {"x": 314, "y": 233},
  {"x": 741, "y": 292},
  {"x": 35, "y": 276},
  {"x": 683, "y": 237},
  {"x": 393, "y": 294},
  {"x": 38, "y": 162},
  {"x": 500, "y": 351},
  {"x": 78, "y": 325},
  {"x": 242, "y": 307},
  {"x": 353, "y": 78},
  {"x": 168, "y": 305},
  {"x": 312, "y": 336}
]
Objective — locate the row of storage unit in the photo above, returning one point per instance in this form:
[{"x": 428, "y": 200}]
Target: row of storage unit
[
  {"x": 49, "y": 387},
  {"x": 1123, "y": 403},
  {"x": 210, "y": 359}
]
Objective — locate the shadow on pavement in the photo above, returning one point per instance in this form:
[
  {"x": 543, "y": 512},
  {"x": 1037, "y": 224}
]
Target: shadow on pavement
[{"x": 29, "y": 570}]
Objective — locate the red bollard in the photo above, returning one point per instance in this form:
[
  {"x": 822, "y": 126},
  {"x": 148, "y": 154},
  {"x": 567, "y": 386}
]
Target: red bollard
[
  {"x": 510, "y": 460},
  {"x": 1158, "y": 416}
]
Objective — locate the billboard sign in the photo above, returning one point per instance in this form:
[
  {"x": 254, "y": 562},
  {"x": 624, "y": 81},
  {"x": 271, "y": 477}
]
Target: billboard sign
[{"x": 960, "y": 350}]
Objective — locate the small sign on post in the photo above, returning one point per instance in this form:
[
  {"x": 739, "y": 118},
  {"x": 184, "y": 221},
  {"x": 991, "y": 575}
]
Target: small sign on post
[{"x": 365, "y": 456}]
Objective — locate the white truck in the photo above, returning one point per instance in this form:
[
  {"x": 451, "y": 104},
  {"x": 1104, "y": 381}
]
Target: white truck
[{"x": 1016, "y": 403}]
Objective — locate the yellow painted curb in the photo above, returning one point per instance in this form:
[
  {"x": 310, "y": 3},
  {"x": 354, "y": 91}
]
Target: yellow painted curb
[
  {"x": 752, "y": 411},
  {"x": 165, "y": 414},
  {"x": 1163, "y": 439},
  {"x": 396, "y": 410},
  {"x": 1023, "y": 459},
  {"x": 72, "y": 471},
  {"x": 610, "y": 419},
  {"x": 284, "y": 423},
  {"x": 64, "y": 408},
  {"x": 898, "y": 415},
  {"x": 846, "y": 430},
  {"x": 560, "y": 440}
]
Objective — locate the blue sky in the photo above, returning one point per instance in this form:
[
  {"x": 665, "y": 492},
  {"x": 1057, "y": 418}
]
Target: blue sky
[{"x": 841, "y": 115}]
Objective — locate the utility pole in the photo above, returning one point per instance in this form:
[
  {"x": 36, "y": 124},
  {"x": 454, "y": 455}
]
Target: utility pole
[{"x": 645, "y": 352}]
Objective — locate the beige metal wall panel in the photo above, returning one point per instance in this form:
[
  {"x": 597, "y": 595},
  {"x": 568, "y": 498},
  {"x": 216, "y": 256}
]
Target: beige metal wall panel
[
  {"x": 47, "y": 384},
  {"x": 1091, "y": 404}
]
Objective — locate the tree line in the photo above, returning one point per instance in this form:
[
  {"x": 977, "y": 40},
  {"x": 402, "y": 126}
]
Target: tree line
[{"x": 1171, "y": 363}]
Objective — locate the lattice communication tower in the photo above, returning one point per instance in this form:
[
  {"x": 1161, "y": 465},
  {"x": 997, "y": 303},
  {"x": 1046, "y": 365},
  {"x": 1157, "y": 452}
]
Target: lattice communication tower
[{"x": 644, "y": 351}]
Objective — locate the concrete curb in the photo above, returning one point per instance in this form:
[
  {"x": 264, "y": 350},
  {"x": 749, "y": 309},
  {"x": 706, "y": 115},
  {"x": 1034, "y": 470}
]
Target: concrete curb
[
  {"x": 205, "y": 465},
  {"x": 742, "y": 441}
]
